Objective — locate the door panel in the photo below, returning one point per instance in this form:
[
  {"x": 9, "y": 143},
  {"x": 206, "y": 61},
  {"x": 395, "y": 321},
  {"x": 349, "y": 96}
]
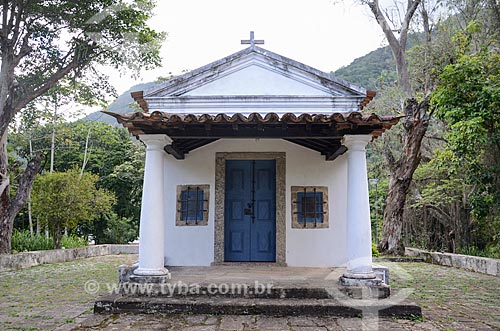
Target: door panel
[
  {"x": 263, "y": 238},
  {"x": 237, "y": 224},
  {"x": 250, "y": 210}
]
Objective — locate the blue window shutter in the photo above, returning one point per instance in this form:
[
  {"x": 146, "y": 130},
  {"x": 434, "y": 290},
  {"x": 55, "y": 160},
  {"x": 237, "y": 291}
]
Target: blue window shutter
[
  {"x": 310, "y": 207},
  {"x": 192, "y": 206}
]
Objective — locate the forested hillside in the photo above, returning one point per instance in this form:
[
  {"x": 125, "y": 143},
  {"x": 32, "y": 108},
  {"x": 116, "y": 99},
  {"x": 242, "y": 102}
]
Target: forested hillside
[{"x": 368, "y": 70}]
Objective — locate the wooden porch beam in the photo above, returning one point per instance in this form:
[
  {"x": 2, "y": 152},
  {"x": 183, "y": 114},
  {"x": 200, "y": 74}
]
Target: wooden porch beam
[
  {"x": 175, "y": 151},
  {"x": 335, "y": 154}
]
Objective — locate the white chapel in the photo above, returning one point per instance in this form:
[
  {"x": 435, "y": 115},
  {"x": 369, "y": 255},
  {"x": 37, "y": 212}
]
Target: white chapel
[{"x": 255, "y": 158}]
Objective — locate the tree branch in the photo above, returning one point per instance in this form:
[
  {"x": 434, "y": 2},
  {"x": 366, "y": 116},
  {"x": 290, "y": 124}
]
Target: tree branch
[
  {"x": 5, "y": 29},
  {"x": 410, "y": 11},
  {"x": 4, "y": 182},
  {"x": 380, "y": 18},
  {"x": 24, "y": 50},
  {"x": 50, "y": 82},
  {"x": 19, "y": 15},
  {"x": 12, "y": 15},
  {"x": 398, "y": 47},
  {"x": 14, "y": 103},
  {"x": 438, "y": 210}
]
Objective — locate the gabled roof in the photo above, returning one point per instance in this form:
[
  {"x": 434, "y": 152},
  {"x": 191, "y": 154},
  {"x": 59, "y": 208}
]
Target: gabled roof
[
  {"x": 255, "y": 93},
  {"x": 254, "y": 80},
  {"x": 181, "y": 84}
]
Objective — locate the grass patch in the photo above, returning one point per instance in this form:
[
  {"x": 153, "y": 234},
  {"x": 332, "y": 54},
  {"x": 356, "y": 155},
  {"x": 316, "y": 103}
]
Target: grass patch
[{"x": 417, "y": 318}]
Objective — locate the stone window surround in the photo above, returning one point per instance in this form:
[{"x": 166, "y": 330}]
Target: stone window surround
[
  {"x": 220, "y": 192},
  {"x": 309, "y": 225},
  {"x": 206, "y": 197}
]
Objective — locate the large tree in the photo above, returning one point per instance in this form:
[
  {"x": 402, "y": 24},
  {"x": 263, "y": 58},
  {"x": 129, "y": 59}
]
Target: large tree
[
  {"x": 417, "y": 79},
  {"x": 395, "y": 21},
  {"x": 42, "y": 43}
]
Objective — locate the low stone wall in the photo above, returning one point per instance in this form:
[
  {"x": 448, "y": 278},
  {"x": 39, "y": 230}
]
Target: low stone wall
[
  {"x": 474, "y": 263},
  {"x": 30, "y": 259}
]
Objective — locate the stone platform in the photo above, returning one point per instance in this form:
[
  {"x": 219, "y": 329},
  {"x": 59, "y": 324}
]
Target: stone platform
[{"x": 266, "y": 289}]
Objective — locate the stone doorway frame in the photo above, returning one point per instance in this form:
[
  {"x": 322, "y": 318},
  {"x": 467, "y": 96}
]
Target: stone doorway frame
[{"x": 220, "y": 193}]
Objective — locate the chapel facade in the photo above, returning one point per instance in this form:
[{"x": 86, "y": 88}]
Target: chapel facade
[{"x": 255, "y": 158}]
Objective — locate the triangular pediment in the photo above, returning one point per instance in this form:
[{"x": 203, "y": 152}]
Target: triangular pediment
[
  {"x": 255, "y": 71},
  {"x": 255, "y": 78}
]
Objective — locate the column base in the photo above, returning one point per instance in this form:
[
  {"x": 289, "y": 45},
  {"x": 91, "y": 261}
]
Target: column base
[
  {"x": 360, "y": 279},
  {"x": 359, "y": 275},
  {"x": 151, "y": 272},
  {"x": 127, "y": 275},
  {"x": 149, "y": 276}
]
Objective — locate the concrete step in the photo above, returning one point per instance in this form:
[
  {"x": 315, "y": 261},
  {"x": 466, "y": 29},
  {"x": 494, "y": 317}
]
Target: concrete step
[
  {"x": 117, "y": 303},
  {"x": 253, "y": 291}
]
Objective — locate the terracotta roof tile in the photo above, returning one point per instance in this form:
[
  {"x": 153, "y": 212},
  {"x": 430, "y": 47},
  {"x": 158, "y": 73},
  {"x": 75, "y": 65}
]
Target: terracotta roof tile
[
  {"x": 269, "y": 118},
  {"x": 344, "y": 123}
]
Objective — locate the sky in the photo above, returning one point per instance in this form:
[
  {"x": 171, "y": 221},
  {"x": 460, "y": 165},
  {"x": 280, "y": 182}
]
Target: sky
[{"x": 324, "y": 34}]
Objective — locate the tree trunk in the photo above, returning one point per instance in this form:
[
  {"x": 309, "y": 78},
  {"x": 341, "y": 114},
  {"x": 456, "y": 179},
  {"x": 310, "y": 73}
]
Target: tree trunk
[
  {"x": 57, "y": 237},
  {"x": 393, "y": 214},
  {"x": 9, "y": 208},
  {"x": 5, "y": 221},
  {"x": 401, "y": 177}
]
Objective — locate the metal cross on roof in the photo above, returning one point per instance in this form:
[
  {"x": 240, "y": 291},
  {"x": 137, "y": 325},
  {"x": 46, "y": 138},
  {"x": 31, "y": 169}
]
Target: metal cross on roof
[{"x": 252, "y": 41}]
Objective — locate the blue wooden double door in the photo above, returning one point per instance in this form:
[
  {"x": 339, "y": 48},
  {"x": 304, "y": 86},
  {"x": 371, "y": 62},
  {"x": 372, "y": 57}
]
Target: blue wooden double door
[{"x": 250, "y": 211}]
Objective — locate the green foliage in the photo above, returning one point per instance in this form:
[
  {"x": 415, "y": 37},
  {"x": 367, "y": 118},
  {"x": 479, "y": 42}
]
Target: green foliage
[
  {"x": 72, "y": 241},
  {"x": 111, "y": 154},
  {"x": 52, "y": 47},
  {"x": 468, "y": 99},
  {"x": 377, "y": 196},
  {"x": 375, "y": 251},
  {"x": 458, "y": 191},
  {"x": 66, "y": 199},
  {"x": 22, "y": 241},
  {"x": 112, "y": 229},
  {"x": 491, "y": 251},
  {"x": 371, "y": 70},
  {"x": 108, "y": 32},
  {"x": 441, "y": 185}
]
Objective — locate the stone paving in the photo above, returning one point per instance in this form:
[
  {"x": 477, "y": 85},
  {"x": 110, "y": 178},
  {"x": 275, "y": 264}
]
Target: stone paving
[{"x": 54, "y": 297}]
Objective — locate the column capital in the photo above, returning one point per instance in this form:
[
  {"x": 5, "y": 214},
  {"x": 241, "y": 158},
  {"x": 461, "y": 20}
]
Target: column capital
[
  {"x": 356, "y": 141},
  {"x": 155, "y": 141}
]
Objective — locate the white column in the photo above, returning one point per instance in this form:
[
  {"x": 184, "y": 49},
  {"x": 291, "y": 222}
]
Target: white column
[
  {"x": 359, "y": 238},
  {"x": 152, "y": 225}
]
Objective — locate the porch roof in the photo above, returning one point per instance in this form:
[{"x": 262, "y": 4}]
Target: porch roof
[{"x": 320, "y": 132}]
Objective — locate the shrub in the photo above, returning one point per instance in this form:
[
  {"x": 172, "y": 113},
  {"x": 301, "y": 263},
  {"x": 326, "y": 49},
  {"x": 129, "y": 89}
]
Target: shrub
[
  {"x": 493, "y": 251},
  {"x": 22, "y": 241},
  {"x": 73, "y": 241}
]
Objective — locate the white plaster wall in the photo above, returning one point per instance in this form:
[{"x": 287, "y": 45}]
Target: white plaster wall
[
  {"x": 258, "y": 79},
  {"x": 194, "y": 245}
]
